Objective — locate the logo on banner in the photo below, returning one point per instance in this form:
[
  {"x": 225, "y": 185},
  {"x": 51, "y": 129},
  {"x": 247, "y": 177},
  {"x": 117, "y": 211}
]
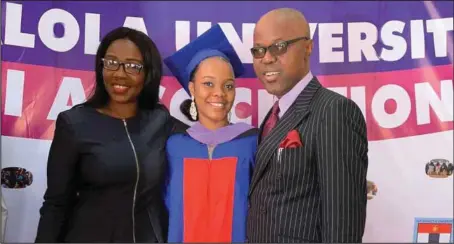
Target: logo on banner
[
  {"x": 433, "y": 230},
  {"x": 16, "y": 178},
  {"x": 439, "y": 168}
]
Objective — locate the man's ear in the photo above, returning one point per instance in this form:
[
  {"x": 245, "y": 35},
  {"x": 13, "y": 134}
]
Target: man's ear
[
  {"x": 191, "y": 88},
  {"x": 309, "y": 47}
]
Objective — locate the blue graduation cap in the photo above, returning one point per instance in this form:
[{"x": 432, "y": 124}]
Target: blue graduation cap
[{"x": 211, "y": 43}]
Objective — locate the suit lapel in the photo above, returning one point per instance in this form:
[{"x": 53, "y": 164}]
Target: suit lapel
[{"x": 295, "y": 114}]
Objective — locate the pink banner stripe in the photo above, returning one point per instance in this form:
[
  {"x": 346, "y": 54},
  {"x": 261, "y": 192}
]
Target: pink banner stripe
[{"x": 31, "y": 119}]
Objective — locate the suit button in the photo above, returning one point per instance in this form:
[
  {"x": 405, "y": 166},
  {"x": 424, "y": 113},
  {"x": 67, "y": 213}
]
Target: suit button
[
  {"x": 279, "y": 176},
  {"x": 262, "y": 209}
]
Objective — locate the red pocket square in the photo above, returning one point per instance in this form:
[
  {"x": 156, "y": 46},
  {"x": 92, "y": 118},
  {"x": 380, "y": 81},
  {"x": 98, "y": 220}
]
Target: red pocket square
[{"x": 292, "y": 140}]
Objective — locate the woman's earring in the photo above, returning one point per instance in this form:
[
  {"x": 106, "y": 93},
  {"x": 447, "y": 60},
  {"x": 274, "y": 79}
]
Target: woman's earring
[
  {"x": 193, "y": 110},
  {"x": 230, "y": 116}
]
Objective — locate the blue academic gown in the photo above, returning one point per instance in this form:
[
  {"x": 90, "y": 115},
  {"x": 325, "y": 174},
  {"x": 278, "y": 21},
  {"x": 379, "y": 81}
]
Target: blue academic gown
[{"x": 207, "y": 193}]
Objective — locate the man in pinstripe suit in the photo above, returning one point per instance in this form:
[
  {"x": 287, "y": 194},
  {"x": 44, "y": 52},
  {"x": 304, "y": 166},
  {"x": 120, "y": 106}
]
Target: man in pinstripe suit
[{"x": 315, "y": 192}]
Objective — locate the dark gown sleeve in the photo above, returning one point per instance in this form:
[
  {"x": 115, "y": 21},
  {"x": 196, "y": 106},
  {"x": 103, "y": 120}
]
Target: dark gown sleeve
[
  {"x": 61, "y": 186},
  {"x": 177, "y": 126},
  {"x": 174, "y": 125}
]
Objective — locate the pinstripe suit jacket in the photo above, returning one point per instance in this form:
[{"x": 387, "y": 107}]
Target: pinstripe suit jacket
[{"x": 317, "y": 192}]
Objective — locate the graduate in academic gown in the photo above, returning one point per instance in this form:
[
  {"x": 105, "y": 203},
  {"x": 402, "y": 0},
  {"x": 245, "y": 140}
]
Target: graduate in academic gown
[{"x": 211, "y": 163}]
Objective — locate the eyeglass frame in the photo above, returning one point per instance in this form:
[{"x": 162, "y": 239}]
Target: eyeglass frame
[
  {"x": 122, "y": 64},
  {"x": 287, "y": 43}
]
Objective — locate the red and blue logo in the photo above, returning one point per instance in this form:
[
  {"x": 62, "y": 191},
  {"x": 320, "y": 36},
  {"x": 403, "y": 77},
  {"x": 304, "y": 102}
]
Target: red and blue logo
[{"x": 433, "y": 230}]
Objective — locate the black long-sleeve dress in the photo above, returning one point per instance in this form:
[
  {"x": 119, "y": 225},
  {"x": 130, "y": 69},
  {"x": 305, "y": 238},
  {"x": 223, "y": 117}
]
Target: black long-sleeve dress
[{"x": 104, "y": 178}]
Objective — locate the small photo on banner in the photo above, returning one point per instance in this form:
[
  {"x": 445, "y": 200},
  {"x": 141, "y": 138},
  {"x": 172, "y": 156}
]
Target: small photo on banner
[
  {"x": 433, "y": 230},
  {"x": 16, "y": 178},
  {"x": 439, "y": 168}
]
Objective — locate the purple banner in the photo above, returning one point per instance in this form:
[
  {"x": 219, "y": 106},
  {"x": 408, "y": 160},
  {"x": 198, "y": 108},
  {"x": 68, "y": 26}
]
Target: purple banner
[{"x": 377, "y": 36}]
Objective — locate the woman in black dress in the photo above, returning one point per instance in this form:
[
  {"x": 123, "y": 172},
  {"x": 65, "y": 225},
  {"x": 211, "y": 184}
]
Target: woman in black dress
[{"x": 107, "y": 159}]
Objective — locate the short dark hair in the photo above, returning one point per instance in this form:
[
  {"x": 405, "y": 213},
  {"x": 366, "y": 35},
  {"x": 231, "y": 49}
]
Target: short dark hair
[
  {"x": 186, "y": 104},
  {"x": 149, "y": 96}
]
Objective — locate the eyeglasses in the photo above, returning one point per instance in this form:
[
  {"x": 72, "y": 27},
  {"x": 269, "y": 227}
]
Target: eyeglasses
[
  {"x": 275, "y": 49},
  {"x": 114, "y": 65}
]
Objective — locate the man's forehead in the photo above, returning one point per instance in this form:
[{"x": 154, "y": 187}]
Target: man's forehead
[
  {"x": 272, "y": 34},
  {"x": 281, "y": 23}
]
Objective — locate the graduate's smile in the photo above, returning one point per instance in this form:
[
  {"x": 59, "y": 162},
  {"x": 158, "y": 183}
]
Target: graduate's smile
[{"x": 217, "y": 104}]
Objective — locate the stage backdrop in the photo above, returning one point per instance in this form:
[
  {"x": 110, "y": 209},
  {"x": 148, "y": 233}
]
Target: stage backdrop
[{"x": 394, "y": 59}]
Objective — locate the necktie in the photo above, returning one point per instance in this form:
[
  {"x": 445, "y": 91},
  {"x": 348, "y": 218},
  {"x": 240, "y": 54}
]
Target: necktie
[{"x": 272, "y": 120}]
